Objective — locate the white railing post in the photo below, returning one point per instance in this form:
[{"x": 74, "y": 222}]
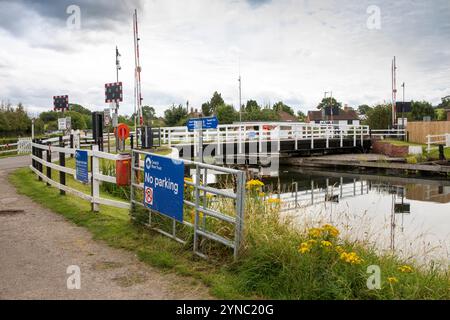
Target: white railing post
[
  {"x": 354, "y": 136},
  {"x": 341, "y": 136},
  {"x": 95, "y": 183},
  {"x": 428, "y": 143},
  {"x": 296, "y": 137},
  {"x": 260, "y": 134},
  {"x": 447, "y": 140},
  {"x": 218, "y": 141},
  {"x": 169, "y": 138}
]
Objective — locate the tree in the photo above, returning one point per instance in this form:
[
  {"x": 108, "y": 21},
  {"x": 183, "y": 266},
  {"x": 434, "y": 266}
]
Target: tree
[
  {"x": 226, "y": 114},
  {"x": 48, "y": 116},
  {"x": 77, "y": 120},
  {"x": 148, "y": 113},
  {"x": 79, "y": 108},
  {"x": 421, "y": 109},
  {"x": 301, "y": 116},
  {"x": 280, "y": 106},
  {"x": 206, "y": 109},
  {"x": 210, "y": 107},
  {"x": 363, "y": 109},
  {"x": 329, "y": 102},
  {"x": 445, "y": 104},
  {"x": 175, "y": 115},
  {"x": 440, "y": 114},
  {"x": 252, "y": 106},
  {"x": 379, "y": 117}
]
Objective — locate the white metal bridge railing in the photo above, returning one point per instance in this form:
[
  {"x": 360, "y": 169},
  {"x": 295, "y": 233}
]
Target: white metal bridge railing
[{"x": 268, "y": 131}]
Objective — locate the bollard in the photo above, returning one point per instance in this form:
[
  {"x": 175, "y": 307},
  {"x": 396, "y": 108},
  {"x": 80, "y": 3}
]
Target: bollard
[
  {"x": 62, "y": 163},
  {"x": 131, "y": 141},
  {"x": 441, "y": 152},
  {"x": 49, "y": 160},
  {"x": 71, "y": 143}
]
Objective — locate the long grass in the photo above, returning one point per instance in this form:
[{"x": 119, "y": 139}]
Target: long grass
[{"x": 278, "y": 260}]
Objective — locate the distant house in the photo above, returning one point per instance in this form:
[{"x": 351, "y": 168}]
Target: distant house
[
  {"x": 286, "y": 117},
  {"x": 345, "y": 116}
]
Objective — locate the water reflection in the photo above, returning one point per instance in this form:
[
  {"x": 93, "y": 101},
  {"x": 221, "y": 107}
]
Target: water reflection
[{"x": 408, "y": 215}]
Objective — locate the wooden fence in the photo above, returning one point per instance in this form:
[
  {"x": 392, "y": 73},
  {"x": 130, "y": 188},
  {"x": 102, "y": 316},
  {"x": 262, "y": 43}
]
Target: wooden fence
[{"x": 418, "y": 131}]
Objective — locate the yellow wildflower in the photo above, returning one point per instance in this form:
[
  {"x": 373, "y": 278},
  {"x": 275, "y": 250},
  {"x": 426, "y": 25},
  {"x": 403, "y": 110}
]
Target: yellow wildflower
[
  {"x": 262, "y": 194},
  {"x": 392, "y": 280},
  {"x": 339, "y": 249},
  {"x": 405, "y": 269},
  {"x": 351, "y": 258},
  {"x": 325, "y": 244},
  {"x": 311, "y": 242},
  {"x": 315, "y": 232},
  {"x": 331, "y": 230},
  {"x": 254, "y": 184},
  {"x": 304, "y": 248}
]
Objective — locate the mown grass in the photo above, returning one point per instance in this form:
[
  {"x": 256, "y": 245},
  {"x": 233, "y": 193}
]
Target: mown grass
[{"x": 278, "y": 260}]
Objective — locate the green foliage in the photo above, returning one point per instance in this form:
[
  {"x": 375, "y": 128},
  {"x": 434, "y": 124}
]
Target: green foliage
[
  {"x": 421, "y": 109},
  {"x": 363, "y": 109},
  {"x": 445, "y": 104},
  {"x": 14, "y": 121},
  {"x": 440, "y": 114},
  {"x": 252, "y": 106},
  {"x": 226, "y": 114},
  {"x": 80, "y": 109},
  {"x": 148, "y": 113},
  {"x": 280, "y": 106},
  {"x": 175, "y": 116},
  {"x": 329, "y": 102},
  {"x": 379, "y": 117},
  {"x": 211, "y": 107},
  {"x": 301, "y": 116}
]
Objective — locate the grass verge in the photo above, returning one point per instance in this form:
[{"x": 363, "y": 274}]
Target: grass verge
[{"x": 278, "y": 260}]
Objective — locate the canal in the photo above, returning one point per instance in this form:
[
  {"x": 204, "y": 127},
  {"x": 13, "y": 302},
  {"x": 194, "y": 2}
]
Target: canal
[{"x": 408, "y": 215}]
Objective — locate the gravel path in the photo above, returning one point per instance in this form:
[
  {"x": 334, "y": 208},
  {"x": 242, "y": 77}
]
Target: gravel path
[{"x": 37, "y": 246}]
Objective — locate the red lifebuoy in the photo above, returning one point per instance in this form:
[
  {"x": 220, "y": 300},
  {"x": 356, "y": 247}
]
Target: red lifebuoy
[{"x": 123, "y": 131}]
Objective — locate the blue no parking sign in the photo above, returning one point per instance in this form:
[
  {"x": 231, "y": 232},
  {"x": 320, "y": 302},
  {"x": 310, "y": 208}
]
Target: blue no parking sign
[
  {"x": 81, "y": 166},
  {"x": 164, "y": 186}
]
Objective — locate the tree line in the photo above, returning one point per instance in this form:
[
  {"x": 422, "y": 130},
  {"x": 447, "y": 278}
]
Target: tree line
[
  {"x": 14, "y": 120},
  {"x": 178, "y": 115}
]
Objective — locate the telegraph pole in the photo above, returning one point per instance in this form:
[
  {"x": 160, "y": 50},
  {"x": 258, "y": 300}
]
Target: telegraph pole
[
  {"x": 118, "y": 67},
  {"x": 394, "y": 90},
  {"x": 240, "y": 99},
  {"x": 403, "y": 106}
]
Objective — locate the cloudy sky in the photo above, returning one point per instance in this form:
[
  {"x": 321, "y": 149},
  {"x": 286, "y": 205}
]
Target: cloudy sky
[{"x": 290, "y": 50}]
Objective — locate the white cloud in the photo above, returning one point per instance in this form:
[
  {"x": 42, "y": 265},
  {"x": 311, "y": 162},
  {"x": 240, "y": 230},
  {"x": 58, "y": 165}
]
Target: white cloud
[{"x": 288, "y": 50}]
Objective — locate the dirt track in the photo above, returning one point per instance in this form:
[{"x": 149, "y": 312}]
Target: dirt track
[{"x": 37, "y": 246}]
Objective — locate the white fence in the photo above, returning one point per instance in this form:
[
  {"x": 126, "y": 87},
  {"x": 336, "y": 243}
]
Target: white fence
[
  {"x": 389, "y": 133},
  {"x": 96, "y": 177},
  {"x": 42, "y": 157},
  {"x": 440, "y": 139},
  {"x": 267, "y": 131}
]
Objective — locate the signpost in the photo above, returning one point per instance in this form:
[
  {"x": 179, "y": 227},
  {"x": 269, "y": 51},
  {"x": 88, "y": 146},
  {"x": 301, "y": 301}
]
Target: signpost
[
  {"x": 81, "y": 166},
  {"x": 199, "y": 124},
  {"x": 62, "y": 125},
  {"x": 164, "y": 186},
  {"x": 204, "y": 123}
]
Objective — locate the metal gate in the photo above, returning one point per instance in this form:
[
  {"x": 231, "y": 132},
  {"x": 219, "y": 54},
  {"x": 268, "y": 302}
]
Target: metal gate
[{"x": 212, "y": 206}]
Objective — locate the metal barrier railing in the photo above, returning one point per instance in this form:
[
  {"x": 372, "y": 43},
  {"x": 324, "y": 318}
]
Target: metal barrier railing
[
  {"x": 199, "y": 203},
  {"x": 438, "y": 139},
  {"x": 267, "y": 131}
]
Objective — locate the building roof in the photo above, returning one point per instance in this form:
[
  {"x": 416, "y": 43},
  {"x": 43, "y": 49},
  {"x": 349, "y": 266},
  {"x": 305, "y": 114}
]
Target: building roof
[
  {"x": 348, "y": 114},
  {"x": 287, "y": 117}
]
